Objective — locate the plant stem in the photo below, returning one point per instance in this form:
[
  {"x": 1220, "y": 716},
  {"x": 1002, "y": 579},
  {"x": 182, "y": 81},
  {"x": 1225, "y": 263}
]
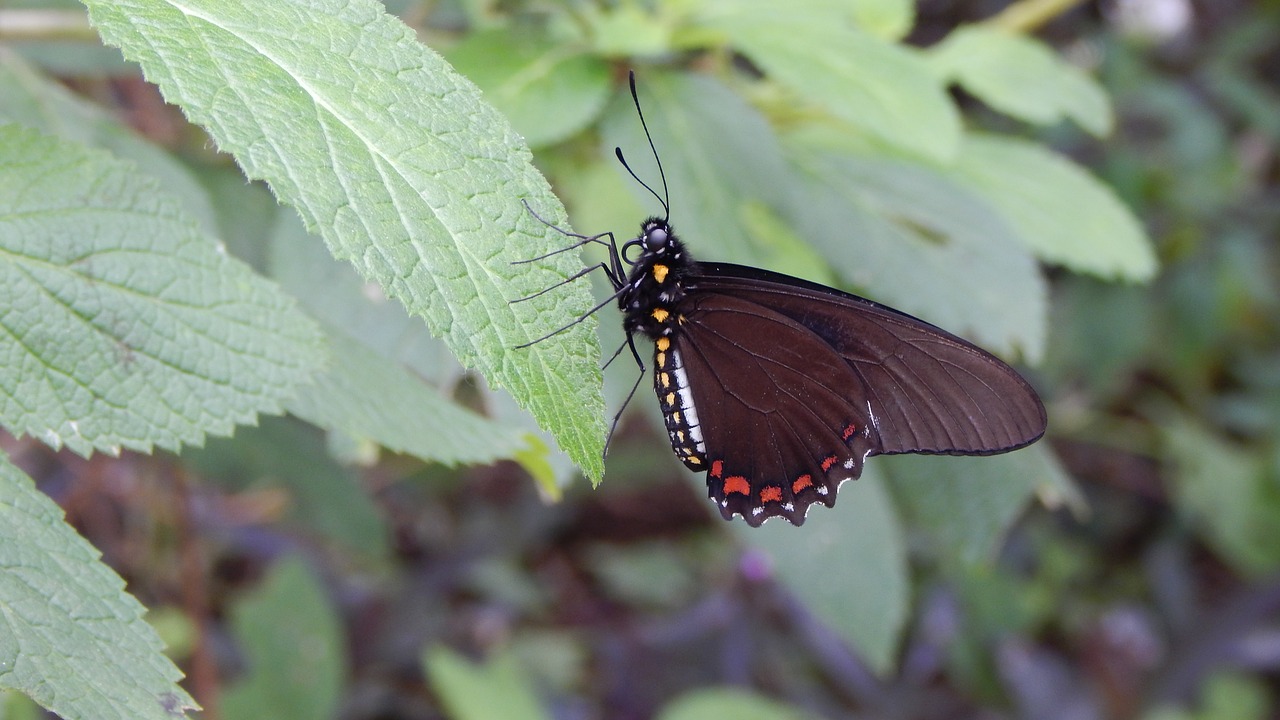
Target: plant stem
[
  {"x": 45, "y": 25},
  {"x": 1025, "y": 16}
]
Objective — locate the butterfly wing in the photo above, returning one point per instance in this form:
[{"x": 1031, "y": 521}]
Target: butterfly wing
[{"x": 795, "y": 384}]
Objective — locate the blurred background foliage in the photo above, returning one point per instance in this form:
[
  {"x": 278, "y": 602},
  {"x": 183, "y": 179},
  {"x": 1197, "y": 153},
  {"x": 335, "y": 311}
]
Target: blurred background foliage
[{"x": 299, "y": 575}]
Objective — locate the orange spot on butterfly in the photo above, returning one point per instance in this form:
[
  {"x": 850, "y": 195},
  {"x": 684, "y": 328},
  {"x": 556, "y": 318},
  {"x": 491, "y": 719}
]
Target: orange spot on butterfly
[
  {"x": 772, "y": 493},
  {"x": 717, "y": 468},
  {"x": 849, "y": 431},
  {"x": 660, "y": 273},
  {"x": 736, "y": 484},
  {"x": 664, "y": 343},
  {"x": 804, "y": 482},
  {"x": 827, "y": 462},
  {"x": 660, "y": 315}
]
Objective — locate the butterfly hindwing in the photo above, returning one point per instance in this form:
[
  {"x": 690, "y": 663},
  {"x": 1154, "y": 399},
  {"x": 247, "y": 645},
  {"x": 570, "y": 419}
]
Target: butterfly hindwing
[{"x": 783, "y": 419}]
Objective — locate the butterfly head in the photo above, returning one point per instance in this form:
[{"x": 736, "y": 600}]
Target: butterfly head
[{"x": 655, "y": 236}]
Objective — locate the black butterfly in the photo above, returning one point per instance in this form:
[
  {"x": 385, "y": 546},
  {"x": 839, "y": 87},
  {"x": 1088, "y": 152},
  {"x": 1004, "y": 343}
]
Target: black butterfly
[{"x": 778, "y": 388}]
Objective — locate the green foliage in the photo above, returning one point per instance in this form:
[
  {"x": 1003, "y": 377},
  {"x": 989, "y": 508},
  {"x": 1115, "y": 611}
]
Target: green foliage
[
  {"x": 140, "y": 332},
  {"x": 130, "y": 326},
  {"x": 550, "y": 90},
  {"x": 413, "y": 179},
  {"x": 293, "y": 646},
  {"x": 1060, "y": 211},
  {"x": 902, "y": 103},
  {"x": 71, "y": 638},
  {"x": 496, "y": 689},
  {"x": 1022, "y": 78},
  {"x": 735, "y": 704},
  {"x": 1228, "y": 492},
  {"x": 867, "y": 600}
]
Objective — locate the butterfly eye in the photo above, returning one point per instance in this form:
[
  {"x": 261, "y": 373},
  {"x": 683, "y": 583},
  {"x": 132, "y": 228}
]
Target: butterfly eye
[{"x": 656, "y": 239}]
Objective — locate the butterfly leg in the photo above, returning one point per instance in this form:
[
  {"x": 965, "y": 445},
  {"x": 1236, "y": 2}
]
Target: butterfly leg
[
  {"x": 614, "y": 268},
  {"x": 643, "y": 370},
  {"x": 566, "y": 281},
  {"x": 585, "y": 315}
]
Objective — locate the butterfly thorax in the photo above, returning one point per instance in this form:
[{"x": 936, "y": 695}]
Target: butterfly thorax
[{"x": 654, "y": 292}]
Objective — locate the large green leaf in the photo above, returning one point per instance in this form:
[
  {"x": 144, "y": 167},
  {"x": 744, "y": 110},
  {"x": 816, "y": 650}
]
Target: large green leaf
[
  {"x": 548, "y": 88},
  {"x": 915, "y": 239},
  {"x": 875, "y": 85},
  {"x": 368, "y": 390},
  {"x": 369, "y": 397},
  {"x": 1065, "y": 214},
  {"x": 848, "y": 564},
  {"x": 124, "y": 325},
  {"x": 1022, "y": 77},
  {"x": 70, "y": 636},
  {"x": 292, "y": 641},
  {"x": 30, "y": 99},
  {"x": 399, "y": 165}
]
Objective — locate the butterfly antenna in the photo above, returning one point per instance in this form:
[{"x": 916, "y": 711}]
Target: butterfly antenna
[{"x": 665, "y": 198}]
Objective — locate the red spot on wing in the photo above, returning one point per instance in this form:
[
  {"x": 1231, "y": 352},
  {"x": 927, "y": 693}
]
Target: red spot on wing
[
  {"x": 717, "y": 469},
  {"x": 736, "y": 484},
  {"x": 772, "y": 493},
  {"x": 827, "y": 462},
  {"x": 849, "y": 430},
  {"x": 803, "y": 482}
]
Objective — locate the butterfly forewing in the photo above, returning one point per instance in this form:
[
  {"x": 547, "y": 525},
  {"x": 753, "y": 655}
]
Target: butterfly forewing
[{"x": 925, "y": 390}]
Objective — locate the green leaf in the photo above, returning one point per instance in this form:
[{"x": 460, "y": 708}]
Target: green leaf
[
  {"x": 30, "y": 99},
  {"x": 1227, "y": 493},
  {"x": 1022, "y": 77},
  {"x": 549, "y": 89},
  {"x": 625, "y": 30},
  {"x": 1061, "y": 211},
  {"x": 367, "y": 392},
  {"x": 728, "y": 703},
  {"x": 966, "y": 504},
  {"x": 292, "y": 639},
  {"x": 849, "y": 566},
  {"x": 125, "y": 325},
  {"x": 889, "y": 19},
  {"x": 367, "y": 396},
  {"x": 497, "y": 689},
  {"x": 322, "y": 496},
  {"x": 71, "y": 638},
  {"x": 882, "y": 88},
  {"x": 719, "y": 155},
  {"x": 915, "y": 239},
  {"x": 333, "y": 293},
  {"x": 399, "y": 165},
  {"x": 1233, "y": 695}
]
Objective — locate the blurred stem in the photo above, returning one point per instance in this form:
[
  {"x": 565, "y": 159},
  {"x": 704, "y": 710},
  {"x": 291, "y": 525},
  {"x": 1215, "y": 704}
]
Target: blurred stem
[
  {"x": 45, "y": 25},
  {"x": 1027, "y": 15}
]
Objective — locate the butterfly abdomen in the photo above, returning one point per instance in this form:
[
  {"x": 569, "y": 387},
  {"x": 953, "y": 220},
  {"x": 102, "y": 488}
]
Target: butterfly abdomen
[{"x": 679, "y": 412}]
